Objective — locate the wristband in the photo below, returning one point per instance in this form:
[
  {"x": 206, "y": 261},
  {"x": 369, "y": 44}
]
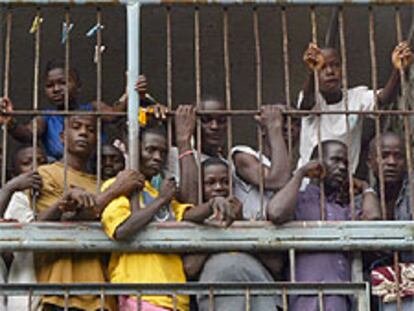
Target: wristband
[
  {"x": 185, "y": 153},
  {"x": 369, "y": 190}
]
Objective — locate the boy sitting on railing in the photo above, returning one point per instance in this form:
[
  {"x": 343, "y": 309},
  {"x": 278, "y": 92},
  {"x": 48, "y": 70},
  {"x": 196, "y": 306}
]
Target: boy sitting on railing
[
  {"x": 331, "y": 96},
  {"x": 291, "y": 204},
  {"x": 15, "y": 205},
  {"x": 125, "y": 216}
]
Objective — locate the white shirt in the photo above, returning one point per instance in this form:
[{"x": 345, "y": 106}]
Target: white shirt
[
  {"x": 333, "y": 126},
  {"x": 22, "y": 268}
]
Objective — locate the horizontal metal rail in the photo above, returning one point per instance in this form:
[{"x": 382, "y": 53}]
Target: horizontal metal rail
[
  {"x": 186, "y": 237},
  {"x": 184, "y": 288},
  {"x": 206, "y": 2}
]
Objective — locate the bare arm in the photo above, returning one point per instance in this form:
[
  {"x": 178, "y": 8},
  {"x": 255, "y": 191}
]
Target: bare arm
[
  {"x": 184, "y": 129},
  {"x": 193, "y": 263},
  {"x": 248, "y": 166},
  {"x": 308, "y": 89}
]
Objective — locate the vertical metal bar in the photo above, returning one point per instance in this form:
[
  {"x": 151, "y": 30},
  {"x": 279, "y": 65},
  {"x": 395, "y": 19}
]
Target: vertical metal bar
[
  {"x": 211, "y": 299},
  {"x": 66, "y": 101},
  {"x": 66, "y": 299},
  {"x": 169, "y": 76},
  {"x": 292, "y": 265},
  {"x": 320, "y": 298},
  {"x": 407, "y": 126},
  {"x": 317, "y": 104},
  {"x": 174, "y": 296},
  {"x": 285, "y": 299},
  {"x": 247, "y": 295},
  {"x": 36, "y": 103},
  {"x": 259, "y": 100},
  {"x": 102, "y": 300},
  {"x": 372, "y": 47},
  {"x": 346, "y": 101},
  {"x": 227, "y": 72},
  {"x": 6, "y": 87},
  {"x": 138, "y": 295},
  {"x": 99, "y": 99},
  {"x": 29, "y": 302},
  {"x": 397, "y": 280},
  {"x": 133, "y": 16},
  {"x": 287, "y": 78},
  {"x": 198, "y": 97}
]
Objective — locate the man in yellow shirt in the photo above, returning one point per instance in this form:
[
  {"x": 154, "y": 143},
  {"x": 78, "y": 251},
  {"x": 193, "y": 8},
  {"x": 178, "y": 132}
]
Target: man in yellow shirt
[
  {"x": 78, "y": 204},
  {"x": 122, "y": 219}
]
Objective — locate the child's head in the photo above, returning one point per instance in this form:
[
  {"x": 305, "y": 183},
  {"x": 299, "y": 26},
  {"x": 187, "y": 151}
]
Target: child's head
[
  {"x": 113, "y": 161},
  {"x": 55, "y": 83},
  {"x": 330, "y": 75},
  {"x": 213, "y": 127},
  {"x": 215, "y": 178},
  {"x": 23, "y": 160},
  {"x": 153, "y": 151}
]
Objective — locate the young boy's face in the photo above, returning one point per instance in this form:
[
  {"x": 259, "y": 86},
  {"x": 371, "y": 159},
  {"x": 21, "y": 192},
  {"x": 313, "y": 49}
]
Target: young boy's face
[
  {"x": 153, "y": 154},
  {"x": 213, "y": 127},
  {"x": 55, "y": 85},
  {"x": 330, "y": 74},
  {"x": 112, "y": 161},
  {"x": 215, "y": 181},
  {"x": 81, "y": 134},
  {"x": 24, "y": 160}
]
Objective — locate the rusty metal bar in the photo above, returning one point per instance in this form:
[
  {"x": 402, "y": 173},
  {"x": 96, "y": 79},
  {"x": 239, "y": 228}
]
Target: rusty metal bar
[
  {"x": 287, "y": 76},
  {"x": 351, "y": 169},
  {"x": 318, "y": 117},
  {"x": 247, "y": 295},
  {"x": 374, "y": 82},
  {"x": 259, "y": 101},
  {"x": 169, "y": 76},
  {"x": 66, "y": 100},
  {"x": 211, "y": 299},
  {"x": 397, "y": 279},
  {"x": 197, "y": 61},
  {"x": 36, "y": 103},
  {"x": 98, "y": 99},
  {"x": 174, "y": 298},
  {"x": 227, "y": 72},
  {"x": 102, "y": 300},
  {"x": 284, "y": 300},
  {"x": 6, "y": 88},
  {"x": 320, "y": 298}
]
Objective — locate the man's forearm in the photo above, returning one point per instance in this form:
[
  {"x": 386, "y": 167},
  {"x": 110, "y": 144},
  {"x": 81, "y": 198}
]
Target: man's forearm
[
  {"x": 188, "y": 189},
  {"x": 308, "y": 89},
  {"x": 390, "y": 91}
]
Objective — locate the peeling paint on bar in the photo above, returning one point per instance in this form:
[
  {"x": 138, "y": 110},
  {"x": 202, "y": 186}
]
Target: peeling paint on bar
[{"x": 186, "y": 237}]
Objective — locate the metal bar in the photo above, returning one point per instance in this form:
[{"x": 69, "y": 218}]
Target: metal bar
[
  {"x": 197, "y": 72},
  {"x": 186, "y": 237},
  {"x": 320, "y": 299},
  {"x": 247, "y": 295},
  {"x": 211, "y": 299},
  {"x": 346, "y": 102},
  {"x": 227, "y": 73},
  {"x": 287, "y": 77},
  {"x": 232, "y": 288},
  {"x": 66, "y": 298},
  {"x": 98, "y": 100},
  {"x": 397, "y": 280},
  {"x": 102, "y": 300},
  {"x": 236, "y": 112},
  {"x": 174, "y": 298},
  {"x": 169, "y": 76},
  {"x": 292, "y": 265},
  {"x": 284, "y": 299},
  {"x": 6, "y": 88},
  {"x": 138, "y": 295},
  {"x": 36, "y": 104},
  {"x": 318, "y": 117},
  {"x": 66, "y": 101},
  {"x": 374, "y": 82},
  {"x": 133, "y": 16},
  {"x": 407, "y": 126},
  {"x": 259, "y": 101}
]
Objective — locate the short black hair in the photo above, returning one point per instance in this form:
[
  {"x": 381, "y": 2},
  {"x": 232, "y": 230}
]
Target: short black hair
[
  {"x": 372, "y": 147},
  {"x": 19, "y": 149},
  {"x": 325, "y": 144},
  {"x": 213, "y": 161},
  {"x": 60, "y": 64},
  {"x": 158, "y": 129}
]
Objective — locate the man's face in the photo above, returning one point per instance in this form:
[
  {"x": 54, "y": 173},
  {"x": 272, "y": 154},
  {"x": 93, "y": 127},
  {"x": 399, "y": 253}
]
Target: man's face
[
  {"x": 213, "y": 127},
  {"x": 215, "y": 181},
  {"x": 81, "y": 134},
  {"x": 330, "y": 74},
  {"x": 55, "y": 85},
  {"x": 336, "y": 163},
  {"x": 112, "y": 161},
  {"x": 24, "y": 160},
  {"x": 393, "y": 160},
  {"x": 153, "y": 154}
]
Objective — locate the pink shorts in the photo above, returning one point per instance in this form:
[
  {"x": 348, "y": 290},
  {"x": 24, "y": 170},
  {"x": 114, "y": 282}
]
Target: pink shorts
[{"x": 127, "y": 303}]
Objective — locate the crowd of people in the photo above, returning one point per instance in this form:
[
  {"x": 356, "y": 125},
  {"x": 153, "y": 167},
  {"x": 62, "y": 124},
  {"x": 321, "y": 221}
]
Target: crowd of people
[{"x": 166, "y": 189}]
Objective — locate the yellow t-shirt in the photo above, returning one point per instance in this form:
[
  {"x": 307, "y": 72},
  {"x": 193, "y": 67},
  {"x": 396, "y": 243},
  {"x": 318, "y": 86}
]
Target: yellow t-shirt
[
  {"x": 68, "y": 267},
  {"x": 144, "y": 267}
]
